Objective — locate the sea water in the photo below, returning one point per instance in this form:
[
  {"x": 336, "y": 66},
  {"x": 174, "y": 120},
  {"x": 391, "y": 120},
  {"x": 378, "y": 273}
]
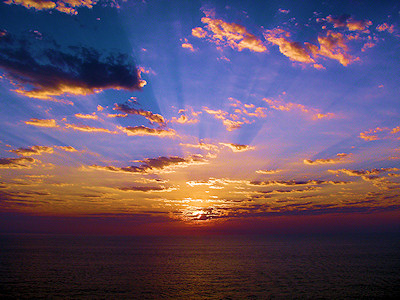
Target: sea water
[{"x": 216, "y": 267}]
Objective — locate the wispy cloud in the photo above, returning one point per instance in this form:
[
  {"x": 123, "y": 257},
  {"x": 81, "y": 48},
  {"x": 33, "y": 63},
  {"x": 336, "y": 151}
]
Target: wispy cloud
[
  {"x": 315, "y": 114},
  {"x": 160, "y": 164},
  {"x": 85, "y": 128},
  {"x": 51, "y": 123},
  {"x": 142, "y": 131},
  {"x": 92, "y": 116},
  {"x": 380, "y": 133},
  {"x": 340, "y": 157}
]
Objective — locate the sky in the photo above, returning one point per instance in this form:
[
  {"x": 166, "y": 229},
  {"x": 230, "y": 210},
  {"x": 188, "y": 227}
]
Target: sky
[{"x": 170, "y": 117}]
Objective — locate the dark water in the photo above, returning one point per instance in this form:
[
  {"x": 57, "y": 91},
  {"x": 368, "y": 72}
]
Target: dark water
[{"x": 45, "y": 266}]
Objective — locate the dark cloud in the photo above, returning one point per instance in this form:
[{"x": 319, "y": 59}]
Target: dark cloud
[
  {"x": 128, "y": 109},
  {"x": 16, "y": 163},
  {"x": 295, "y": 182},
  {"x": 44, "y": 71},
  {"x": 143, "y": 188},
  {"x": 154, "y": 164},
  {"x": 34, "y": 150}
]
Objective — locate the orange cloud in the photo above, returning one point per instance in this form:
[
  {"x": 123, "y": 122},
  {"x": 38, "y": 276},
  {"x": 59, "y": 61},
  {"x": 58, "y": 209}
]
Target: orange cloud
[
  {"x": 237, "y": 147},
  {"x": 16, "y": 163},
  {"x": 65, "y": 6},
  {"x": 228, "y": 34},
  {"x": 85, "y": 128},
  {"x": 379, "y": 133},
  {"x": 350, "y": 23},
  {"x": 92, "y": 116},
  {"x": 184, "y": 120},
  {"x": 385, "y": 27},
  {"x": 339, "y": 158},
  {"x": 142, "y": 131},
  {"x": 290, "y": 106},
  {"x": 67, "y": 148},
  {"x": 152, "y": 117},
  {"x": 187, "y": 45},
  {"x": 332, "y": 45},
  {"x": 34, "y": 150},
  {"x": 151, "y": 165},
  {"x": 51, "y": 123},
  {"x": 267, "y": 172}
]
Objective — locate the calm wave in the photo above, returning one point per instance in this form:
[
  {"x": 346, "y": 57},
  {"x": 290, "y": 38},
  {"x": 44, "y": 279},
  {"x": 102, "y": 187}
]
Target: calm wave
[{"x": 44, "y": 266}]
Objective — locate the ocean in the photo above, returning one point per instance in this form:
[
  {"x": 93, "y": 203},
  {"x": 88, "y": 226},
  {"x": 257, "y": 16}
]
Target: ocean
[{"x": 215, "y": 267}]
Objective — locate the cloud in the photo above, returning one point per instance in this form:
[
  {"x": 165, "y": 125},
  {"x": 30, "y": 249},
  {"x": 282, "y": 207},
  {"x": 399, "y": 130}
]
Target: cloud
[
  {"x": 184, "y": 120},
  {"x": 290, "y": 106},
  {"x": 153, "y": 118},
  {"x": 187, "y": 45},
  {"x": 367, "y": 175},
  {"x": 16, "y": 163},
  {"x": 50, "y": 123},
  {"x": 294, "y": 182},
  {"x": 85, "y": 128},
  {"x": 146, "y": 189},
  {"x": 321, "y": 161},
  {"x": 149, "y": 165},
  {"x": 92, "y": 116},
  {"x": 284, "y": 11},
  {"x": 34, "y": 150},
  {"x": 64, "y": 6},
  {"x": 348, "y": 22},
  {"x": 266, "y": 172},
  {"x": 45, "y": 73},
  {"x": 238, "y": 147},
  {"x": 67, "y": 148},
  {"x": 202, "y": 146},
  {"x": 332, "y": 45},
  {"x": 227, "y": 34},
  {"x": 379, "y": 133},
  {"x": 142, "y": 131},
  {"x": 385, "y": 27}
]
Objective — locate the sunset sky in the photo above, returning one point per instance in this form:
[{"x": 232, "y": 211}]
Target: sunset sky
[{"x": 153, "y": 117}]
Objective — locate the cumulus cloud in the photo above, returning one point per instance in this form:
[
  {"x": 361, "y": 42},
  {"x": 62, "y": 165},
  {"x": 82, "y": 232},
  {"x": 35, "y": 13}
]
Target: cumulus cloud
[
  {"x": 64, "y": 6},
  {"x": 34, "y": 150},
  {"x": 51, "y": 123},
  {"x": 16, "y": 163},
  {"x": 152, "y": 117},
  {"x": 45, "y": 73},
  {"x": 332, "y": 45},
  {"x": 348, "y": 22},
  {"x": 149, "y": 165},
  {"x": 321, "y": 161},
  {"x": 85, "y": 128},
  {"x": 142, "y": 131},
  {"x": 238, "y": 147},
  {"x": 228, "y": 34},
  {"x": 290, "y": 106}
]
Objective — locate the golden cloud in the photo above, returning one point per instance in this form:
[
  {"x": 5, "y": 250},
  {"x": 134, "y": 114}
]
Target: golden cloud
[
  {"x": 16, "y": 163},
  {"x": 238, "y": 147},
  {"x": 65, "y": 6},
  {"x": 228, "y": 34},
  {"x": 51, "y": 123},
  {"x": 92, "y": 116},
  {"x": 34, "y": 150},
  {"x": 85, "y": 128},
  {"x": 338, "y": 159},
  {"x": 142, "y": 131}
]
